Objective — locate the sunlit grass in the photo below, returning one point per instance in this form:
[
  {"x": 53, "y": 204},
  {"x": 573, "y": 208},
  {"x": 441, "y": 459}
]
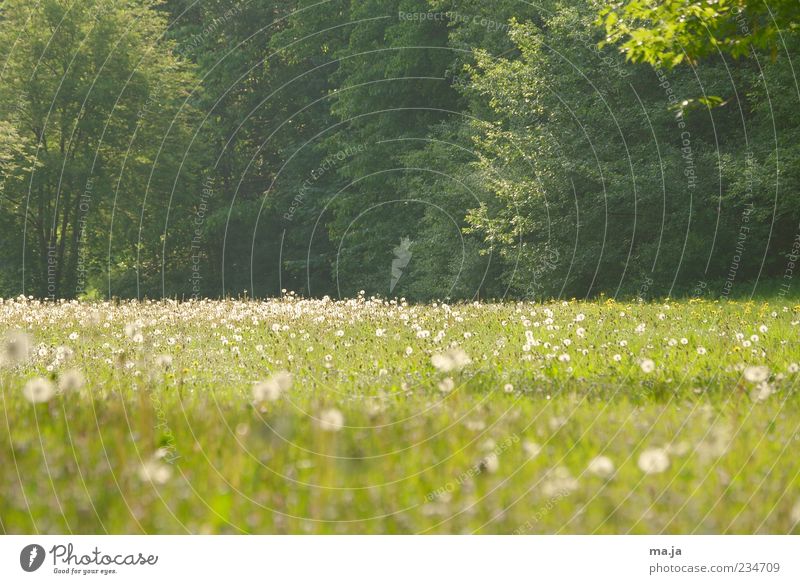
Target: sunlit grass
[{"x": 365, "y": 416}]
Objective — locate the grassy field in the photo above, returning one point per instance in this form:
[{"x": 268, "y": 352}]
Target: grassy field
[{"x": 366, "y": 416}]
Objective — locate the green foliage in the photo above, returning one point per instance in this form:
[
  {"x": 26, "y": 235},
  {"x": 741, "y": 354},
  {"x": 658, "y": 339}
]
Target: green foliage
[
  {"x": 98, "y": 98},
  {"x": 212, "y": 148},
  {"x": 670, "y": 32}
]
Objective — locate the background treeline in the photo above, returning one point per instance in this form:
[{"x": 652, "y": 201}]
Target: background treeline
[{"x": 417, "y": 148}]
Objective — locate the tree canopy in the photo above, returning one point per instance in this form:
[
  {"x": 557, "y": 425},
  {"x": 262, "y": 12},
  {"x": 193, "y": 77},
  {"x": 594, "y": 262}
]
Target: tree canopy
[{"x": 420, "y": 148}]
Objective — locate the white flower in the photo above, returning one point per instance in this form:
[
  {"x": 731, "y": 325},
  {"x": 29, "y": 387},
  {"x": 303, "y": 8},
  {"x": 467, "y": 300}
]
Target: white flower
[
  {"x": 763, "y": 328},
  {"x": 684, "y": 341},
  {"x": 155, "y": 471},
  {"x": 17, "y": 348},
  {"x": 617, "y": 357},
  {"x": 164, "y": 361},
  {"x": 601, "y": 466},
  {"x": 508, "y": 388},
  {"x": 447, "y": 385},
  {"x": 559, "y": 482},
  {"x": 580, "y": 317},
  {"x": 331, "y": 420},
  {"x": 756, "y": 373},
  {"x": 490, "y": 463},
  {"x": 38, "y": 390},
  {"x": 762, "y": 391},
  {"x": 272, "y": 388},
  {"x": 796, "y": 512},
  {"x": 73, "y": 336},
  {"x": 451, "y": 360},
  {"x": 532, "y": 449},
  {"x": 701, "y": 350},
  {"x": 793, "y": 368},
  {"x": 409, "y": 351},
  {"x": 380, "y": 332},
  {"x": 71, "y": 380},
  {"x": 648, "y": 365},
  {"x": 564, "y": 358},
  {"x": 653, "y": 461}
]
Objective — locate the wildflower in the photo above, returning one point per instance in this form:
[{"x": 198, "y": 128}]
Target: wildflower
[
  {"x": 71, "y": 380},
  {"x": 601, "y": 466},
  {"x": 559, "y": 482},
  {"x": 793, "y": 368},
  {"x": 756, "y": 373},
  {"x": 564, "y": 358},
  {"x": 38, "y": 390},
  {"x": 762, "y": 391},
  {"x": 763, "y": 328},
  {"x": 17, "y": 348},
  {"x": 272, "y": 388},
  {"x": 701, "y": 350},
  {"x": 617, "y": 357},
  {"x": 796, "y": 513},
  {"x": 331, "y": 420},
  {"x": 508, "y": 388},
  {"x": 164, "y": 361},
  {"x": 648, "y": 365},
  {"x": 452, "y": 360},
  {"x": 155, "y": 470},
  {"x": 447, "y": 385},
  {"x": 654, "y": 461},
  {"x": 532, "y": 449},
  {"x": 490, "y": 463}
]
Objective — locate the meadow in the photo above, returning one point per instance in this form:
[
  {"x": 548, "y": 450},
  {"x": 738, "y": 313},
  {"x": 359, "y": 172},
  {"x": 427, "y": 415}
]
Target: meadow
[{"x": 376, "y": 416}]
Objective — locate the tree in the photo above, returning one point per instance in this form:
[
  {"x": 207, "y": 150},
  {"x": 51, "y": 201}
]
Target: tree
[
  {"x": 94, "y": 89},
  {"x": 669, "y": 32}
]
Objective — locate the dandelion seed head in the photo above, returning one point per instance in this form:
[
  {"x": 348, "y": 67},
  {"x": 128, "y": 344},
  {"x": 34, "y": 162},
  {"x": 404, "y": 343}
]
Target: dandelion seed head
[
  {"x": 331, "y": 420},
  {"x": 601, "y": 466},
  {"x": 653, "y": 461},
  {"x": 38, "y": 390}
]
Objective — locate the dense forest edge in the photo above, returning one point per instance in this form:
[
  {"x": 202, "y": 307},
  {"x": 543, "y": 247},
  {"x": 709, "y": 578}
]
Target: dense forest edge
[{"x": 425, "y": 149}]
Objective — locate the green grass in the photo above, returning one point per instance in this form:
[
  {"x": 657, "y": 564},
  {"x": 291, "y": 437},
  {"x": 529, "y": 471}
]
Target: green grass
[{"x": 149, "y": 446}]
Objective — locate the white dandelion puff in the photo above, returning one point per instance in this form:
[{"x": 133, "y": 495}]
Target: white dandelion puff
[
  {"x": 447, "y": 385},
  {"x": 38, "y": 390},
  {"x": 331, "y": 420},
  {"x": 71, "y": 380},
  {"x": 601, "y": 466},
  {"x": 451, "y": 360},
  {"x": 272, "y": 388},
  {"x": 17, "y": 348},
  {"x": 155, "y": 471},
  {"x": 654, "y": 461},
  {"x": 648, "y": 365},
  {"x": 756, "y": 373}
]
